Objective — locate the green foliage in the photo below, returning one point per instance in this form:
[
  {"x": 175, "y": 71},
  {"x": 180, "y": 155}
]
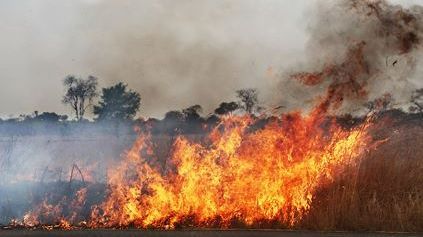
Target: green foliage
[{"x": 117, "y": 103}]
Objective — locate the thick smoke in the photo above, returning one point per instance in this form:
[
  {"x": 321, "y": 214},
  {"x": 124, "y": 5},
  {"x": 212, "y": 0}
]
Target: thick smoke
[
  {"x": 175, "y": 53},
  {"x": 184, "y": 53},
  {"x": 360, "y": 50}
]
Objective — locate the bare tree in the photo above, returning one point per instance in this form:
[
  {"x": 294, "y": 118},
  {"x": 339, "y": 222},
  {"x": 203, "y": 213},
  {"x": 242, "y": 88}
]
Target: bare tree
[
  {"x": 79, "y": 93},
  {"x": 417, "y": 100},
  {"x": 248, "y": 100}
]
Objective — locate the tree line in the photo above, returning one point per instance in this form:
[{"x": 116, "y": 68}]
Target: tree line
[{"x": 118, "y": 103}]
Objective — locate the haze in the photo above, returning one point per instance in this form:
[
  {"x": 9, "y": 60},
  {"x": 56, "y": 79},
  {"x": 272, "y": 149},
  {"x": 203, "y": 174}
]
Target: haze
[{"x": 175, "y": 53}]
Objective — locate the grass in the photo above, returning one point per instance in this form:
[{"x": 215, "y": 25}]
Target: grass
[{"x": 385, "y": 192}]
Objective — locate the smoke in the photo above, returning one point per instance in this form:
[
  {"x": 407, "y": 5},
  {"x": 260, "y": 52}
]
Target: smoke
[
  {"x": 358, "y": 51},
  {"x": 175, "y": 54},
  {"x": 182, "y": 53}
]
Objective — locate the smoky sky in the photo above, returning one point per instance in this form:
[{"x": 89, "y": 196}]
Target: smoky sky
[{"x": 174, "y": 53}]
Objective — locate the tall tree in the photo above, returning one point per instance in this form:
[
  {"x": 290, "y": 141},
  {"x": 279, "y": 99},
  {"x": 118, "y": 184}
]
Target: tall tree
[
  {"x": 79, "y": 93},
  {"x": 248, "y": 100},
  {"x": 118, "y": 103}
]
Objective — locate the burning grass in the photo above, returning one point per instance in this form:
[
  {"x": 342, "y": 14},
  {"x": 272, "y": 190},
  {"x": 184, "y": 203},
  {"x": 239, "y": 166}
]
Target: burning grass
[
  {"x": 262, "y": 178},
  {"x": 296, "y": 170},
  {"x": 304, "y": 173},
  {"x": 384, "y": 192},
  {"x": 236, "y": 176}
]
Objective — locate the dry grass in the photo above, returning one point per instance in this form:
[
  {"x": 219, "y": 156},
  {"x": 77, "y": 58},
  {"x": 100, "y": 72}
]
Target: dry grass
[{"x": 385, "y": 193}]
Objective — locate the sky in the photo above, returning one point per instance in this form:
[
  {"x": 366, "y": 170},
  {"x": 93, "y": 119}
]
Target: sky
[{"x": 174, "y": 53}]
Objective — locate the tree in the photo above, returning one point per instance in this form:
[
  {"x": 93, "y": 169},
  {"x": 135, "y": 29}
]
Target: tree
[
  {"x": 226, "y": 108},
  {"x": 417, "y": 100},
  {"x": 248, "y": 100},
  {"x": 187, "y": 120},
  {"x": 118, "y": 103},
  {"x": 192, "y": 119},
  {"x": 192, "y": 113},
  {"x": 79, "y": 93},
  {"x": 174, "y": 116},
  {"x": 172, "y": 122},
  {"x": 50, "y": 117}
]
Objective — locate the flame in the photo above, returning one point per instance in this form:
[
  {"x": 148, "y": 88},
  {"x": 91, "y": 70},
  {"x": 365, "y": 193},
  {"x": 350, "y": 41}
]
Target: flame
[
  {"x": 238, "y": 175},
  {"x": 235, "y": 175},
  {"x": 47, "y": 216}
]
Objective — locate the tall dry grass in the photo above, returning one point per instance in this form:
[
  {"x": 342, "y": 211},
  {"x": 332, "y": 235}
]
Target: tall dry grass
[{"x": 383, "y": 193}]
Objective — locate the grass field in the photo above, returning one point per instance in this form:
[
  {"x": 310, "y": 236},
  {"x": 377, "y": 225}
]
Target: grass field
[{"x": 384, "y": 193}]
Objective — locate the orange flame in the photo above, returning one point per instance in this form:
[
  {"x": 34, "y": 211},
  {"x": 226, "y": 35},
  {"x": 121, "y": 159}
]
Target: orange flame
[{"x": 235, "y": 177}]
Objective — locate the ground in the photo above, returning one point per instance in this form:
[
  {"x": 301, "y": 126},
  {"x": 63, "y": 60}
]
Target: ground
[{"x": 195, "y": 233}]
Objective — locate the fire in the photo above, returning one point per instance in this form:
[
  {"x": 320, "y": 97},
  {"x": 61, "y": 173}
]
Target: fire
[
  {"x": 243, "y": 173},
  {"x": 235, "y": 176},
  {"x": 63, "y": 215},
  {"x": 240, "y": 174}
]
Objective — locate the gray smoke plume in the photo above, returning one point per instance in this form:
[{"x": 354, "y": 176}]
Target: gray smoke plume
[
  {"x": 182, "y": 53},
  {"x": 359, "y": 50},
  {"x": 175, "y": 53}
]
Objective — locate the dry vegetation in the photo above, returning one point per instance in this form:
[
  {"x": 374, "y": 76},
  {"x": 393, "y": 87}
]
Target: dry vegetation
[{"x": 384, "y": 193}]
